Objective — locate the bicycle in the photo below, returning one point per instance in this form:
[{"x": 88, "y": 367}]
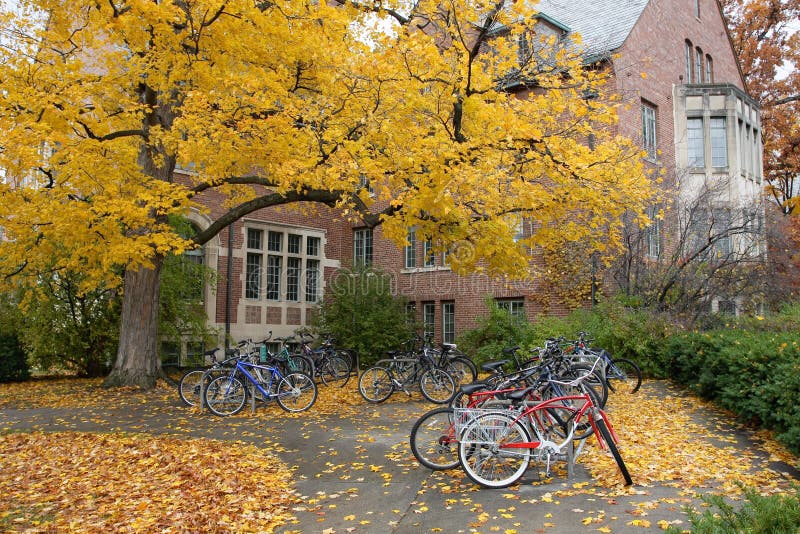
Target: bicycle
[
  {"x": 227, "y": 394},
  {"x": 495, "y": 447},
  {"x": 398, "y": 373},
  {"x": 433, "y": 437},
  {"x": 619, "y": 374},
  {"x": 329, "y": 367},
  {"x": 191, "y": 382}
]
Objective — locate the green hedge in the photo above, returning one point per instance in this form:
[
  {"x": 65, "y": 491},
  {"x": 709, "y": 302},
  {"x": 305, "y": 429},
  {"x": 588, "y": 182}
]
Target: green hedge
[{"x": 751, "y": 373}]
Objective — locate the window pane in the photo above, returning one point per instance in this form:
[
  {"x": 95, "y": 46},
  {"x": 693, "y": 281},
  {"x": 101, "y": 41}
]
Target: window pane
[
  {"x": 448, "y": 322},
  {"x": 294, "y": 243},
  {"x": 362, "y": 245},
  {"x": 293, "y": 279},
  {"x": 252, "y": 281},
  {"x": 649, "y": 130},
  {"x": 694, "y": 136},
  {"x": 274, "y": 277},
  {"x": 427, "y": 253},
  {"x": 411, "y": 250},
  {"x": 254, "y": 238},
  {"x": 312, "y": 246},
  {"x": 719, "y": 142},
  {"x": 275, "y": 242},
  {"x": 312, "y": 280},
  {"x": 429, "y": 319}
]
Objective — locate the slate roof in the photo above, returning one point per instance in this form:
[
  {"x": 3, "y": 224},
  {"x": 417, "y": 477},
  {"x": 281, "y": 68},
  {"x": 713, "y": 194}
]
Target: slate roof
[{"x": 602, "y": 24}]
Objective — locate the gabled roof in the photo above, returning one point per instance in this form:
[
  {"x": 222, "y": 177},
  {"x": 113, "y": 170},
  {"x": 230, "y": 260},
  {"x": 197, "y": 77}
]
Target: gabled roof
[{"x": 602, "y": 24}]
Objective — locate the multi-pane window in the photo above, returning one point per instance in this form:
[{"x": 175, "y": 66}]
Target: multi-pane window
[
  {"x": 282, "y": 273},
  {"x": 429, "y": 319},
  {"x": 689, "y": 60},
  {"x": 719, "y": 142},
  {"x": 362, "y": 246},
  {"x": 427, "y": 254},
  {"x": 649, "y": 140},
  {"x": 694, "y": 137},
  {"x": 709, "y": 69},
  {"x": 515, "y": 307},
  {"x": 410, "y": 250},
  {"x": 697, "y": 8},
  {"x": 448, "y": 322}
]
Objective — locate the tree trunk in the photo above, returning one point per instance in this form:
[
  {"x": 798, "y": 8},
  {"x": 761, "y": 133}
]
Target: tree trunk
[{"x": 137, "y": 355}]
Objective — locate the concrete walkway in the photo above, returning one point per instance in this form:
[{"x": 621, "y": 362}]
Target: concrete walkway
[{"x": 357, "y": 474}]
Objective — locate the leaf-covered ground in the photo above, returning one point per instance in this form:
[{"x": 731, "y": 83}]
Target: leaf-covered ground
[{"x": 137, "y": 477}]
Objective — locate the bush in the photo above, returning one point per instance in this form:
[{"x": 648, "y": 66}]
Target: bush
[
  {"x": 496, "y": 331},
  {"x": 361, "y": 312},
  {"x": 758, "y": 515},
  {"x": 753, "y": 374}
]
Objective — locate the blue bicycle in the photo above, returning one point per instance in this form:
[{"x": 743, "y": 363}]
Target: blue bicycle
[{"x": 227, "y": 394}]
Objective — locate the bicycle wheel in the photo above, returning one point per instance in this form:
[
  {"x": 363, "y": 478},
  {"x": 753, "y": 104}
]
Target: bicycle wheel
[
  {"x": 334, "y": 371},
  {"x": 433, "y": 440},
  {"x": 437, "y": 386},
  {"x": 623, "y": 375},
  {"x": 296, "y": 392},
  {"x": 225, "y": 395},
  {"x": 300, "y": 363},
  {"x": 348, "y": 356},
  {"x": 612, "y": 446},
  {"x": 484, "y": 453},
  {"x": 375, "y": 384},
  {"x": 189, "y": 386},
  {"x": 462, "y": 369}
]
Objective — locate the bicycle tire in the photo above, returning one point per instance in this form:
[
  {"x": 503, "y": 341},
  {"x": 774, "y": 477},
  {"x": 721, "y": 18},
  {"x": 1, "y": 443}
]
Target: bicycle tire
[
  {"x": 299, "y": 363},
  {"x": 189, "y": 386},
  {"x": 612, "y": 446},
  {"x": 375, "y": 384},
  {"x": 623, "y": 375},
  {"x": 433, "y": 440},
  {"x": 225, "y": 395},
  {"x": 481, "y": 457},
  {"x": 334, "y": 371},
  {"x": 437, "y": 386},
  {"x": 296, "y": 392}
]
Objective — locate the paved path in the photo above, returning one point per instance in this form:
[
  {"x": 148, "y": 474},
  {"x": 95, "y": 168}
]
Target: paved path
[{"x": 358, "y": 475}]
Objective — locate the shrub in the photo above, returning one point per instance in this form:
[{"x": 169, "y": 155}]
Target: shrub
[
  {"x": 758, "y": 515},
  {"x": 362, "y": 313},
  {"x": 497, "y": 330}
]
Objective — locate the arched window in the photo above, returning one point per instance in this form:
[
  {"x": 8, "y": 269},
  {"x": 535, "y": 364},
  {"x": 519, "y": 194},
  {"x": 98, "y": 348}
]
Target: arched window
[
  {"x": 709, "y": 69},
  {"x": 689, "y": 60}
]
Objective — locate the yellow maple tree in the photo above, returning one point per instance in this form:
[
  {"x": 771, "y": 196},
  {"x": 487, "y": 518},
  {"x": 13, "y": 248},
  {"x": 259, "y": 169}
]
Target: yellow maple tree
[{"x": 461, "y": 131}]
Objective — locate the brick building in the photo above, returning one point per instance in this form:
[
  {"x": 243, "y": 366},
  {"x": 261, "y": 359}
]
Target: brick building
[{"x": 683, "y": 98}]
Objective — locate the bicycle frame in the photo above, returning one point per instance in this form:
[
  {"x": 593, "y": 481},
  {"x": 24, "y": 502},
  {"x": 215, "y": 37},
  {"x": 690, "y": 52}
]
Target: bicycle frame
[{"x": 274, "y": 376}]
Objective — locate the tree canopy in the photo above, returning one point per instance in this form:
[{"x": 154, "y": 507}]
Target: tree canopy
[{"x": 283, "y": 102}]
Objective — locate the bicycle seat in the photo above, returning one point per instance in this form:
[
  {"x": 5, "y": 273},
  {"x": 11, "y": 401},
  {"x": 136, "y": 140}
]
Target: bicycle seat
[
  {"x": 520, "y": 394},
  {"x": 511, "y": 350},
  {"x": 469, "y": 389},
  {"x": 493, "y": 367}
]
